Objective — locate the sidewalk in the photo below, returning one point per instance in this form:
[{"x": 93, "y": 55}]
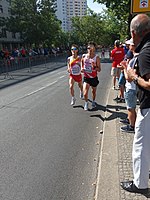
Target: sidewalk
[
  {"x": 115, "y": 158},
  {"x": 17, "y": 76}
]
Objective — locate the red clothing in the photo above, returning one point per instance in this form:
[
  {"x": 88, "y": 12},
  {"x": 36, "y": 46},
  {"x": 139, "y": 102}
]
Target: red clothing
[
  {"x": 117, "y": 56},
  {"x": 6, "y": 53},
  {"x": 76, "y": 78},
  {"x": 75, "y": 68},
  {"x": 89, "y": 72}
]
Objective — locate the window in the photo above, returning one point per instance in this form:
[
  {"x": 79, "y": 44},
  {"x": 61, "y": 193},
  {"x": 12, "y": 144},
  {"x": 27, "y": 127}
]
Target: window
[
  {"x": 1, "y": 9},
  {"x": 3, "y": 33},
  {"x": 9, "y": 11},
  {"x": 14, "y": 35}
]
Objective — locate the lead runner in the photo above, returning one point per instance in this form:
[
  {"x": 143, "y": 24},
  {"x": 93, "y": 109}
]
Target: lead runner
[{"x": 74, "y": 68}]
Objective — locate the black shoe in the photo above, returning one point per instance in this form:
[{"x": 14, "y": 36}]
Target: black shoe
[
  {"x": 124, "y": 121},
  {"x": 121, "y": 100},
  {"x": 130, "y": 187},
  {"x": 117, "y": 98},
  {"x": 127, "y": 128}
]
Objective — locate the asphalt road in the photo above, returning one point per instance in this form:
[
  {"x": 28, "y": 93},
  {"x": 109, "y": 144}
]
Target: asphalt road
[{"x": 48, "y": 149}]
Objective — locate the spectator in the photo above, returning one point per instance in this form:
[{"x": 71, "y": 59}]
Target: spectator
[
  {"x": 140, "y": 32},
  {"x": 23, "y": 52},
  {"x": 117, "y": 55},
  {"x": 130, "y": 92},
  {"x": 122, "y": 80}
]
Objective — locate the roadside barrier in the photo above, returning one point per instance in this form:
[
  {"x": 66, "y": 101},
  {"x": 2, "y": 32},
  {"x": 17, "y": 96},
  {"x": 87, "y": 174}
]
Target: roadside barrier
[{"x": 11, "y": 64}]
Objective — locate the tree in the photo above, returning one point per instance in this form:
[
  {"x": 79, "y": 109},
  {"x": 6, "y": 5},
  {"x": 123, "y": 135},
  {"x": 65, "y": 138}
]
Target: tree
[
  {"x": 121, "y": 9},
  {"x": 114, "y": 28},
  {"x": 103, "y": 28},
  {"x": 34, "y": 19},
  {"x": 88, "y": 28}
]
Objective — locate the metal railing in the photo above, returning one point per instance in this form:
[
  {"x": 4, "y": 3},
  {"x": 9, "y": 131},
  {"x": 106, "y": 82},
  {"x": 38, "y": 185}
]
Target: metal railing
[{"x": 12, "y": 64}]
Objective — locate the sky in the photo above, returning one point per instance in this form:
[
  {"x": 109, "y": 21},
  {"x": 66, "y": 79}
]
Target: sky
[{"x": 96, "y": 7}]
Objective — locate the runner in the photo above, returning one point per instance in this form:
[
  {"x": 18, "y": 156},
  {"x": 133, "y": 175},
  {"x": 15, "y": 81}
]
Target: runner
[
  {"x": 74, "y": 68},
  {"x": 90, "y": 66}
]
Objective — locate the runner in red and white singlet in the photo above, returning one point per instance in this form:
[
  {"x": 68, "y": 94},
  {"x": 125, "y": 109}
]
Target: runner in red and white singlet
[
  {"x": 90, "y": 66},
  {"x": 89, "y": 71},
  {"x": 74, "y": 68}
]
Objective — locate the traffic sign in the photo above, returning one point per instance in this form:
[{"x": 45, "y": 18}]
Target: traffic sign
[{"x": 140, "y": 6}]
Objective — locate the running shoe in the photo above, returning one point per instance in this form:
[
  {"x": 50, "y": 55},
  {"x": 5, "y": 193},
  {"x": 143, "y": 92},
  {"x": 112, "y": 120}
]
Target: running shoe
[
  {"x": 73, "y": 100},
  {"x": 81, "y": 95},
  {"x": 86, "y": 106},
  {"x": 93, "y": 104},
  {"x": 127, "y": 128}
]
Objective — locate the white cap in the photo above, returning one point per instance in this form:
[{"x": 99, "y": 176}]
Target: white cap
[{"x": 130, "y": 42}]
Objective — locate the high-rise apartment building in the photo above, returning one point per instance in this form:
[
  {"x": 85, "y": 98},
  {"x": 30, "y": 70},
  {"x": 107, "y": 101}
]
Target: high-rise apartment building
[
  {"x": 61, "y": 13},
  {"x": 66, "y": 9}
]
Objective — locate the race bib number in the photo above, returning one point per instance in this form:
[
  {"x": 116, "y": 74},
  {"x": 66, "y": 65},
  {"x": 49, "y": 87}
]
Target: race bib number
[
  {"x": 88, "y": 68},
  {"x": 76, "y": 70}
]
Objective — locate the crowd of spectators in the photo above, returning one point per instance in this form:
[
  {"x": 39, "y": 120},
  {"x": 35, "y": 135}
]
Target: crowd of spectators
[{"x": 5, "y": 53}]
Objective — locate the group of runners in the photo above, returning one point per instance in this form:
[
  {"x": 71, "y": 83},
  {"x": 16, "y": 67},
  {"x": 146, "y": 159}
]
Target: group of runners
[{"x": 83, "y": 70}]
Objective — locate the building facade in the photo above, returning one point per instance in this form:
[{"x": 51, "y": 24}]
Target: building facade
[
  {"x": 7, "y": 39},
  {"x": 66, "y": 9}
]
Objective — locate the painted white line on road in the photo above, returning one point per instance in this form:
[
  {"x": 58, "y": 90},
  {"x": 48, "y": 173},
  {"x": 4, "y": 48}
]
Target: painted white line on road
[
  {"x": 61, "y": 76},
  {"x": 31, "y": 93},
  {"x": 36, "y": 91},
  {"x": 42, "y": 88}
]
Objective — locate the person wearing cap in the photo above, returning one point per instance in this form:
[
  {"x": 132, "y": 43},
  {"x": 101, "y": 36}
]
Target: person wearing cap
[
  {"x": 126, "y": 46},
  {"x": 121, "y": 82},
  {"x": 140, "y": 32},
  {"x": 74, "y": 70},
  {"x": 130, "y": 91},
  {"x": 117, "y": 55}
]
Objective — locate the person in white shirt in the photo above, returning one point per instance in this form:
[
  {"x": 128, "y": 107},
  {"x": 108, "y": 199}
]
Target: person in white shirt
[{"x": 130, "y": 91}]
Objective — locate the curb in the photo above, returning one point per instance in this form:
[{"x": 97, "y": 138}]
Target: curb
[{"x": 107, "y": 187}]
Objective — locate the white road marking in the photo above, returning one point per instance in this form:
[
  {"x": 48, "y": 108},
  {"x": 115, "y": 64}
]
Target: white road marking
[{"x": 35, "y": 91}]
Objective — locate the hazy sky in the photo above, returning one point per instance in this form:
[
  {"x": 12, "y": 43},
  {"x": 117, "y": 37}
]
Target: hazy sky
[{"x": 95, "y": 6}]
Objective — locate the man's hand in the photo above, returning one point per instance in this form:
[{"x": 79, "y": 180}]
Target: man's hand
[
  {"x": 131, "y": 74},
  {"x": 124, "y": 64}
]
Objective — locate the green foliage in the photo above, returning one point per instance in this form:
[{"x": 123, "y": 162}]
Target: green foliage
[
  {"x": 88, "y": 28},
  {"x": 121, "y": 9},
  {"x": 35, "y": 20},
  {"x": 102, "y": 28}
]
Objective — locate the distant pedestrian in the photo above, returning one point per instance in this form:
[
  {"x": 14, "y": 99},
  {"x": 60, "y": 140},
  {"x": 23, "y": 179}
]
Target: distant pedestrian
[
  {"x": 140, "y": 32},
  {"x": 74, "y": 69},
  {"x": 90, "y": 66},
  {"x": 103, "y": 53}
]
